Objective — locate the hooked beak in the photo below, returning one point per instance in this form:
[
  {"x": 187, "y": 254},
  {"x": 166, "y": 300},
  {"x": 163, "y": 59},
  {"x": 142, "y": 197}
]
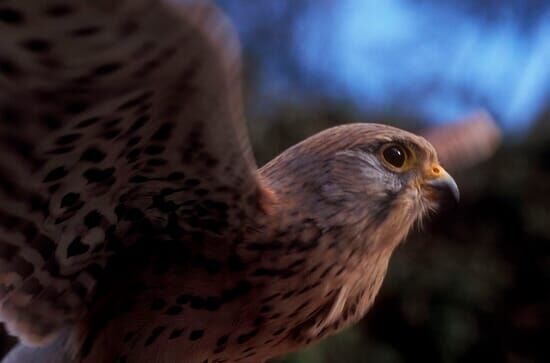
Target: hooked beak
[{"x": 443, "y": 186}]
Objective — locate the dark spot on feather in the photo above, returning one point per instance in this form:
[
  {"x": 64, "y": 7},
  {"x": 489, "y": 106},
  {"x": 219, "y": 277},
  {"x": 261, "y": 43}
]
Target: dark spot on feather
[
  {"x": 77, "y": 248},
  {"x": 288, "y": 294},
  {"x": 163, "y": 133},
  {"x": 325, "y": 272},
  {"x": 134, "y": 102},
  {"x": 174, "y": 310},
  {"x": 154, "y": 335},
  {"x": 8, "y": 68},
  {"x": 283, "y": 272},
  {"x": 127, "y": 306},
  {"x": 270, "y": 246},
  {"x": 59, "y": 10},
  {"x": 55, "y": 174},
  {"x": 270, "y": 297},
  {"x": 156, "y": 162},
  {"x": 247, "y": 336},
  {"x": 210, "y": 265},
  {"x": 222, "y": 340},
  {"x": 67, "y": 139},
  {"x": 176, "y": 176},
  {"x": 183, "y": 299},
  {"x": 7, "y": 251},
  {"x": 243, "y": 287},
  {"x": 154, "y": 149},
  {"x": 92, "y": 219},
  {"x": 87, "y": 345},
  {"x": 11, "y": 16},
  {"x": 212, "y": 303},
  {"x": 133, "y": 154},
  {"x": 76, "y": 107},
  {"x": 260, "y": 320},
  {"x": 37, "y": 45},
  {"x": 146, "y": 68},
  {"x": 266, "y": 309},
  {"x": 85, "y": 31},
  {"x": 218, "y": 350},
  {"x": 52, "y": 266},
  {"x": 79, "y": 289},
  {"x": 138, "y": 179},
  {"x": 176, "y": 333},
  {"x": 93, "y": 155},
  {"x": 111, "y": 134},
  {"x": 158, "y": 304},
  {"x": 196, "y": 334},
  {"x": 95, "y": 270},
  {"x": 61, "y": 150},
  {"x": 128, "y": 336},
  {"x": 95, "y": 175},
  {"x": 87, "y": 122},
  {"x": 197, "y": 302},
  {"x": 69, "y": 199},
  {"x": 211, "y": 162},
  {"x": 112, "y": 123},
  {"x": 9, "y": 115},
  {"x": 192, "y": 182},
  {"x": 45, "y": 246},
  {"x": 236, "y": 264},
  {"x": 133, "y": 214},
  {"x": 133, "y": 141},
  {"x": 106, "y": 69},
  {"x": 29, "y": 231},
  {"x": 165, "y": 206},
  {"x": 139, "y": 123}
]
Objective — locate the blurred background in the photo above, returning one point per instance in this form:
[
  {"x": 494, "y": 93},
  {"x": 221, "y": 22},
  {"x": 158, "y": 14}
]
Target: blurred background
[{"x": 474, "y": 286}]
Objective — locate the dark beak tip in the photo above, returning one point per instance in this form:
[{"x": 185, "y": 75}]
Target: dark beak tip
[
  {"x": 452, "y": 198},
  {"x": 448, "y": 191},
  {"x": 456, "y": 195}
]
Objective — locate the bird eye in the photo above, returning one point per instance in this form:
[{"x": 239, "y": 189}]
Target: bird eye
[{"x": 395, "y": 155}]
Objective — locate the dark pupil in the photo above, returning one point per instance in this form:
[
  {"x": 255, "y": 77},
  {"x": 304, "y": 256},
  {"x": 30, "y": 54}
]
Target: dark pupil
[{"x": 394, "y": 156}]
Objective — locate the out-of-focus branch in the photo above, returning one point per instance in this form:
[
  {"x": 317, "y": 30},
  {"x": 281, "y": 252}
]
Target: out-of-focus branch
[{"x": 467, "y": 142}]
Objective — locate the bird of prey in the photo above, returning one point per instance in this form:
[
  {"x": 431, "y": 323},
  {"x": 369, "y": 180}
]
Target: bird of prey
[{"x": 135, "y": 226}]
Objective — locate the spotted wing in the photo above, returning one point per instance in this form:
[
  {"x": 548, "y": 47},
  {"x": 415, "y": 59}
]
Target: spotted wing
[{"x": 114, "y": 114}]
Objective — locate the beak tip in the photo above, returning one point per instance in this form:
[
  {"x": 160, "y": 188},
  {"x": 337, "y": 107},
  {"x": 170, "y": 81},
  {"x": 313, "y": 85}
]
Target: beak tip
[{"x": 447, "y": 188}]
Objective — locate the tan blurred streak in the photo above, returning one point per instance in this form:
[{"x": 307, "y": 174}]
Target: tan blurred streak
[{"x": 467, "y": 142}]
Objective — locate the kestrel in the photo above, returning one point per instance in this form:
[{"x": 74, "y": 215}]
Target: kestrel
[{"x": 134, "y": 224}]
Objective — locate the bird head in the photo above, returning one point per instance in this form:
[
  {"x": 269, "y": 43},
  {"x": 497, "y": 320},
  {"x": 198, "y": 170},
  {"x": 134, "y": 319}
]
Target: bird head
[{"x": 374, "y": 179}]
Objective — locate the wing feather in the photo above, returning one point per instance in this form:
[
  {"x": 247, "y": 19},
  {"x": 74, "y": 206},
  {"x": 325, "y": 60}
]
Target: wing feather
[{"x": 113, "y": 115}]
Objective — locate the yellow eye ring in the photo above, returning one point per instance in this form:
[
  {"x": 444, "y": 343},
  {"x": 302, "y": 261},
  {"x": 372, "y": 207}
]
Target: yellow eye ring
[{"x": 396, "y": 156}]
